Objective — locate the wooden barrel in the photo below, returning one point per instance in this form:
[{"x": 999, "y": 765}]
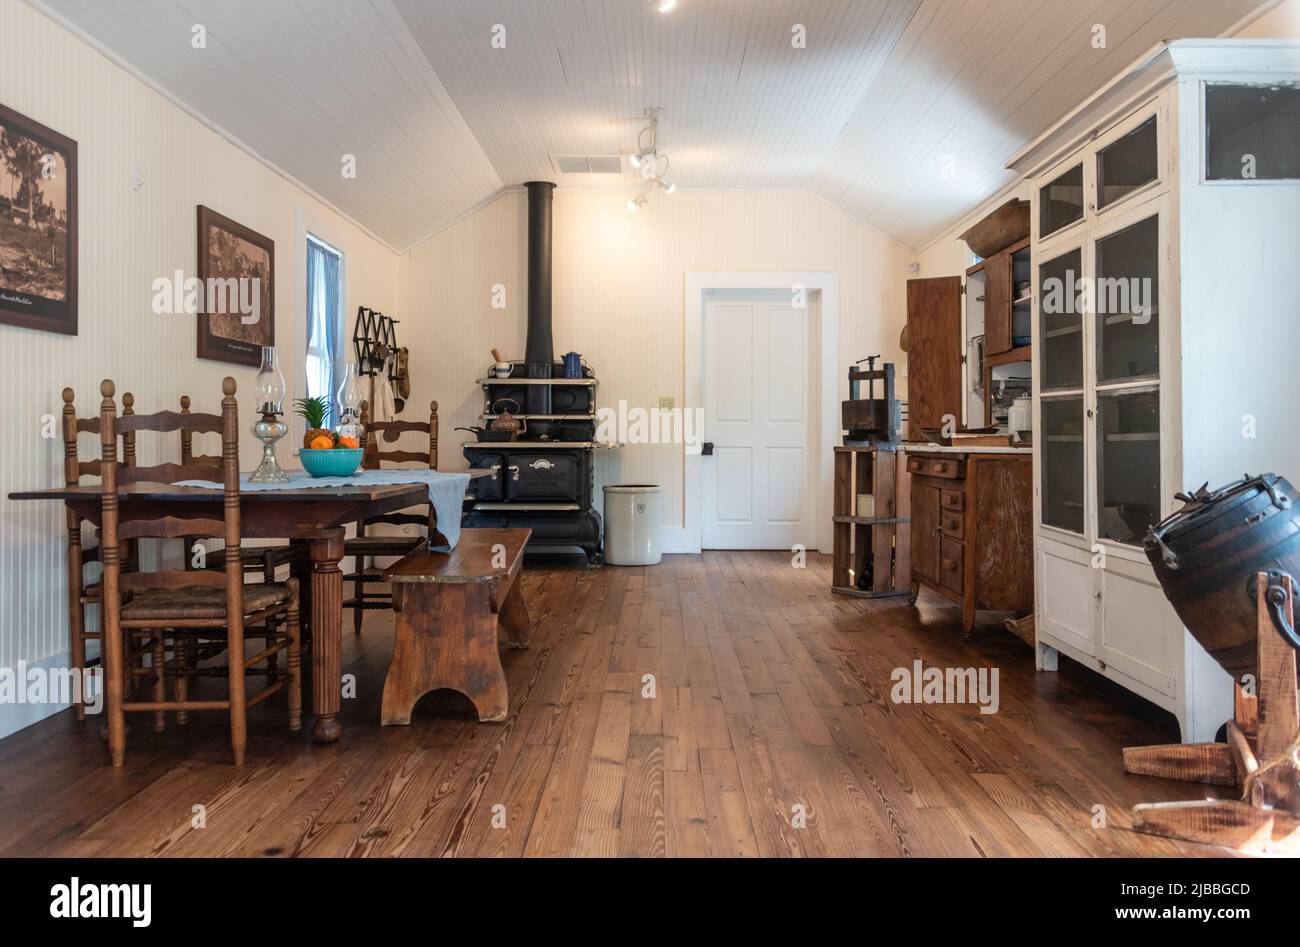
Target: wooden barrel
[{"x": 1206, "y": 556}]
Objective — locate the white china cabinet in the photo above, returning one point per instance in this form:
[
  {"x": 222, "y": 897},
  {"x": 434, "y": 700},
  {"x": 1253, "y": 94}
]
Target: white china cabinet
[{"x": 1166, "y": 343}]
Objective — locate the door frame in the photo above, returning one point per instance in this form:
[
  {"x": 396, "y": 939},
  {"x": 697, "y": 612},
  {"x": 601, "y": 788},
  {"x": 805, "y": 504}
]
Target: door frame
[{"x": 826, "y": 285}]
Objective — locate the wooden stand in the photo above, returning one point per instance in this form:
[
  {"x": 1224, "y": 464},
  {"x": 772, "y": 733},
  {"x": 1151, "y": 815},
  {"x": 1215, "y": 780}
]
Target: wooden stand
[
  {"x": 880, "y": 544},
  {"x": 1265, "y": 728}
]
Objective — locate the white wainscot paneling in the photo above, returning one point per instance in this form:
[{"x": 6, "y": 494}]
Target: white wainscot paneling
[{"x": 128, "y": 237}]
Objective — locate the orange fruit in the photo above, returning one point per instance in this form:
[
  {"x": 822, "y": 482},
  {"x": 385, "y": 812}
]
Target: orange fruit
[
  {"x": 348, "y": 441},
  {"x": 324, "y": 442}
]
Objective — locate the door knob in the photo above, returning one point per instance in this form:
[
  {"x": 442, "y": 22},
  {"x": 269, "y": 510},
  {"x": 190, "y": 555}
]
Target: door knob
[{"x": 706, "y": 449}]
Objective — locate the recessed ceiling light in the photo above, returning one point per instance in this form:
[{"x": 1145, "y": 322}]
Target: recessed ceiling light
[{"x": 666, "y": 6}]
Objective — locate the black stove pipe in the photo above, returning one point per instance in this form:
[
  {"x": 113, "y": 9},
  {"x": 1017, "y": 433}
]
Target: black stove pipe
[{"x": 539, "y": 349}]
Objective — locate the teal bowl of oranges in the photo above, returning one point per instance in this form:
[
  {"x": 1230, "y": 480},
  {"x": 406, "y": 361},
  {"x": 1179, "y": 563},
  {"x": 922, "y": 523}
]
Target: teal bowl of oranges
[{"x": 339, "y": 459}]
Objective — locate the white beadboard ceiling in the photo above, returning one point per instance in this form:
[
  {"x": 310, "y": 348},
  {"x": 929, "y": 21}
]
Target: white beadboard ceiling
[
  {"x": 900, "y": 112},
  {"x": 302, "y": 83}
]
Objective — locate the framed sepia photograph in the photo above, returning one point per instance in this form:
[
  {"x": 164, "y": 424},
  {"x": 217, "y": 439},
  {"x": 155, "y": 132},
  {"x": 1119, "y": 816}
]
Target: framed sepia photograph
[
  {"x": 38, "y": 226},
  {"x": 237, "y": 279}
]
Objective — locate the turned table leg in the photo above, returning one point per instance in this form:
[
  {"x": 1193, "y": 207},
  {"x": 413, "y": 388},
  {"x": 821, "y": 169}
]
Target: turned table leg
[{"x": 327, "y": 635}]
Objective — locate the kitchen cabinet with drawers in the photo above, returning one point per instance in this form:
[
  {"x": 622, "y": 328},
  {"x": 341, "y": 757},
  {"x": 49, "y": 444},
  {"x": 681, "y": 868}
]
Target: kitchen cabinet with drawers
[{"x": 972, "y": 527}]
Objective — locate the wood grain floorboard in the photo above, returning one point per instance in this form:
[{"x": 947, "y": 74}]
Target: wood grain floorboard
[{"x": 767, "y": 729}]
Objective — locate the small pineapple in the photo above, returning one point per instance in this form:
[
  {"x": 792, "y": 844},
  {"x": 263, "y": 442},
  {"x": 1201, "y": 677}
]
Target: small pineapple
[{"x": 313, "y": 411}]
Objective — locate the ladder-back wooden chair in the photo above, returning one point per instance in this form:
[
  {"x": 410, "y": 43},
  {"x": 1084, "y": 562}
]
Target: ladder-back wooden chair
[
  {"x": 196, "y": 612},
  {"x": 365, "y": 547},
  {"x": 81, "y": 593}
]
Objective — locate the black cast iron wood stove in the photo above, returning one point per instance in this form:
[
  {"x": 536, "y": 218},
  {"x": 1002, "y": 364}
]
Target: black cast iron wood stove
[{"x": 545, "y": 480}]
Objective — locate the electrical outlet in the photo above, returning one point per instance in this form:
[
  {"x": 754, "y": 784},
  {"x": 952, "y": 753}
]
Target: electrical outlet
[{"x": 667, "y": 402}]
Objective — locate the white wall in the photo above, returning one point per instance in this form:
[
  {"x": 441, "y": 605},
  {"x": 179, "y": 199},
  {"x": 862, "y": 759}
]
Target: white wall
[
  {"x": 618, "y": 296},
  {"x": 127, "y": 238},
  {"x": 1282, "y": 22}
]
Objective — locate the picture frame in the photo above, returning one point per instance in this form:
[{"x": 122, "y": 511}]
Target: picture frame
[
  {"x": 38, "y": 226},
  {"x": 235, "y": 319}
]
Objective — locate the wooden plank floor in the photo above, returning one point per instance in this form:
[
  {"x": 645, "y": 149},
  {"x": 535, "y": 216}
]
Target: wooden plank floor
[{"x": 771, "y": 698}]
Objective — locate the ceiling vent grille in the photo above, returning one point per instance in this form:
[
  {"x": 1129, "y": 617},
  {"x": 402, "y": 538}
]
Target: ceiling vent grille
[{"x": 588, "y": 164}]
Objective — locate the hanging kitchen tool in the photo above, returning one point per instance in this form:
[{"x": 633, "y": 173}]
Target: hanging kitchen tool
[{"x": 402, "y": 378}]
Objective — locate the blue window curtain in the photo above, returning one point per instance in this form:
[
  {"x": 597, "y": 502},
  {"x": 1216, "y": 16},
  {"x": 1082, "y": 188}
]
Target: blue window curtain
[{"x": 323, "y": 304}]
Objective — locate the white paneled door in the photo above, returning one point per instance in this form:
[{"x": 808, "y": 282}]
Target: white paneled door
[{"x": 758, "y": 415}]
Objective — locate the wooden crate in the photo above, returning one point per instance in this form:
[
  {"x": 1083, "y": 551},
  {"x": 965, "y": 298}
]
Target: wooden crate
[{"x": 880, "y": 544}]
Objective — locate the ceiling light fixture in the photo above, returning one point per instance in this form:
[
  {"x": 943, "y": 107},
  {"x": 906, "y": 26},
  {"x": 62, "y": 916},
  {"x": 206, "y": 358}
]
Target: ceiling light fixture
[
  {"x": 667, "y": 6},
  {"x": 649, "y": 162}
]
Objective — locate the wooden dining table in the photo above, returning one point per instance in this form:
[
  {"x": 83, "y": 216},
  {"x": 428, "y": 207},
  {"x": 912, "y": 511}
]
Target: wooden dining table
[{"x": 317, "y": 516}]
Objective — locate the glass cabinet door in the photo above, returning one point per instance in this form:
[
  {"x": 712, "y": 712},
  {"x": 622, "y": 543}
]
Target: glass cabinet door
[
  {"x": 1126, "y": 295},
  {"x": 1127, "y": 164},
  {"x": 1060, "y": 201},
  {"x": 1061, "y": 464},
  {"x": 1128, "y": 463},
  {"x": 1060, "y": 323}
]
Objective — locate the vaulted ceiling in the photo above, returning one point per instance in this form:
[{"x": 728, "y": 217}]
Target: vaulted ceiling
[{"x": 901, "y": 112}]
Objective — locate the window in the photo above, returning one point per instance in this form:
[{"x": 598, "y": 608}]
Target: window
[
  {"x": 324, "y": 305},
  {"x": 1252, "y": 132}
]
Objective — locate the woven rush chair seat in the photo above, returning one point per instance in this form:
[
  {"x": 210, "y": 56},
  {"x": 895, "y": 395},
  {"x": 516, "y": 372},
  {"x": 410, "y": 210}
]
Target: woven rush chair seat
[{"x": 200, "y": 603}]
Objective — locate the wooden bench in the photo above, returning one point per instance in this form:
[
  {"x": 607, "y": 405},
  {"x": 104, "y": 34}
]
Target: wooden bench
[{"x": 448, "y": 606}]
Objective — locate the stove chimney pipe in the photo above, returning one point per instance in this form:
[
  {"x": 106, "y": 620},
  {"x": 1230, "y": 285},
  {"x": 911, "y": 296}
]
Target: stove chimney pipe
[{"x": 539, "y": 350}]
